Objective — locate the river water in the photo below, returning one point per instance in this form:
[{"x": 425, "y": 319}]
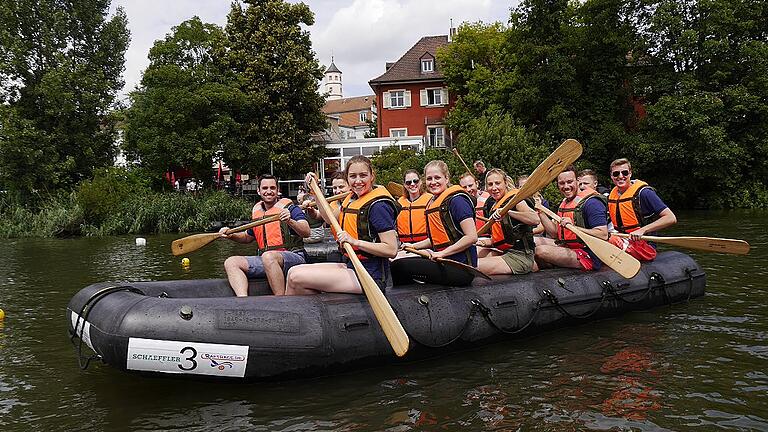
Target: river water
[{"x": 696, "y": 366}]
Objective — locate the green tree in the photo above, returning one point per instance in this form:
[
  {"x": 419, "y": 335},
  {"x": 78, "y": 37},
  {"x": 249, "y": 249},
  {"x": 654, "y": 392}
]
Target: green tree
[
  {"x": 181, "y": 115},
  {"x": 277, "y": 74},
  {"x": 60, "y": 70}
]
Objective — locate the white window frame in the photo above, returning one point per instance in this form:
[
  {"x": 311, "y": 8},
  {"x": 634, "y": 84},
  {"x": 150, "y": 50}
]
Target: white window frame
[
  {"x": 424, "y": 96},
  {"x": 427, "y": 65},
  {"x": 363, "y": 115},
  {"x": 436, "y": 141},
  {"x": 398, "y": 132},
  {"x": 391, "y": 95}
]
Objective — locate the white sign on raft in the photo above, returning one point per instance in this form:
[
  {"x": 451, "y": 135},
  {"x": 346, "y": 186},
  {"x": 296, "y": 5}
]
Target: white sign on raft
[{"x": 187, "y": 357}]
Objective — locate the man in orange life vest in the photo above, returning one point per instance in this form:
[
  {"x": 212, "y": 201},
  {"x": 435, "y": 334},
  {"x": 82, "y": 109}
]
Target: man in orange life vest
[
  {"x": 581, "y": 208},
  {"x": 280, "y": 244},
  {"x": 478, "y": 194},
  {"x": 635, "y": 208}
]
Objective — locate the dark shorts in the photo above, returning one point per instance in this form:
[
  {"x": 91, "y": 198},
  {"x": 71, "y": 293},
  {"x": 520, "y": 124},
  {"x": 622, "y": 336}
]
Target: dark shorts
[{"x": 290, "y": 259}]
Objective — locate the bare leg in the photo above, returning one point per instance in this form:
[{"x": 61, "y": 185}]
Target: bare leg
[
  {"x": 558, "y": 255},
  {"x": 273, "y": 268},
  {"x": 493, "y": 265},
  {"x": 236, "y": 268},
  {"x": 326, "y": 277}
]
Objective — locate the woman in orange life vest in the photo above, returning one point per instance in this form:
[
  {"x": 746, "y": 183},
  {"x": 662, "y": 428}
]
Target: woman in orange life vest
[
  {"x": 412, "y": 220},
  {"x": 451, "y": 230},
  {"x": 280, "y": 243},
  {"x": 374, "y": 239},
  {"x": 511, "y": 247}
]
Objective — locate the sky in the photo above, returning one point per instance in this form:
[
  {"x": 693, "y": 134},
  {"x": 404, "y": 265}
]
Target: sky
[{"x": 362, "y": 35}]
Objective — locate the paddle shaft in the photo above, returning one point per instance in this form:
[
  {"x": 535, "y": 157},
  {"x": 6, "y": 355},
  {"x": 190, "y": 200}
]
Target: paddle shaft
[
  {"x": 391, "y": 326},
  {"x": 548, "y": 170},
  {"x": 615, "y": 258},
  {"x": 197, "y": 241},
  {"x": 706, "y": 244},
  {"x": 456, "y": 152},
  {"x": 329, "y": 199}
]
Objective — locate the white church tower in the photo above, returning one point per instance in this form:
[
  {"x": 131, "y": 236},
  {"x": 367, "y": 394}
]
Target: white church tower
[{"x": 333, "y": 81}]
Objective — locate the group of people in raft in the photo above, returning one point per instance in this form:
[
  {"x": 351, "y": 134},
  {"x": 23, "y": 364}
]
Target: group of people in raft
[{"x": 444, "y": 219}]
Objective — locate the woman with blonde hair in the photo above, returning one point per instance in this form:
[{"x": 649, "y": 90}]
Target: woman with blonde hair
[
  {"x": 367, "y": 219},
  {"x": 451, "y": 233},
  {"x": 511, "y": 247}
]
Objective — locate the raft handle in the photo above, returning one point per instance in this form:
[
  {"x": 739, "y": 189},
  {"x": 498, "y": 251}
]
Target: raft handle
[
  {"x": 506, "y": 303},
  {"x": 355, "y": 325}
]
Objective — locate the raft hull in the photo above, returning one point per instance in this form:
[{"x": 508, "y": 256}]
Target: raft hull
[{"x": 198, "y": 328}]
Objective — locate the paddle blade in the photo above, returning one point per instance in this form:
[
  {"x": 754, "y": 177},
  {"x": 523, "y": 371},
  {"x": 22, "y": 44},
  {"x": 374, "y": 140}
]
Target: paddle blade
[
  {"x": 548, "y": 170},
  {"x": 707, "y": 244},
  {"x": 395, "y": 189},
  {"x": 192, "y": 243},
  {"x": 391, "y": 326},
  {"x": 621, "y": 262},
  {"x": 466, "y": 267}
]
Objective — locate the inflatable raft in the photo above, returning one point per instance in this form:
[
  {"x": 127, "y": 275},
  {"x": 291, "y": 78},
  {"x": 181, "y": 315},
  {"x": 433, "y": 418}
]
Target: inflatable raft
[{"x": 197, "y": 327}]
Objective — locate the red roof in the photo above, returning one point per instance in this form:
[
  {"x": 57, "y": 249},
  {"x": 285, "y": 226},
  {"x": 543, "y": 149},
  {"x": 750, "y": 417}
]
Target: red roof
[
  {"x": 350, "y": 104},
  {"x": 408, "y": 67}
]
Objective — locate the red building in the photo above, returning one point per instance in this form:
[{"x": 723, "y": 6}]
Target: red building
[{"x": 413, "y": 97}]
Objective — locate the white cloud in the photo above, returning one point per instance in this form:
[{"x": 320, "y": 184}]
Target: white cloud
[{"x": 361, "y": 34}]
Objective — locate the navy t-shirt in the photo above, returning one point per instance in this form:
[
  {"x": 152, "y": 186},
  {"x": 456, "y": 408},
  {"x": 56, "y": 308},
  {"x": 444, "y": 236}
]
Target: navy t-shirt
[
  {"x": 462, "y": 208},
  {"x": 650, "y": 203},
  {"x": 382, "y": 219}
]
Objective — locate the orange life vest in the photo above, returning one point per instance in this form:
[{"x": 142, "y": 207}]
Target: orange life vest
[
  {"x": 440, "y": 226},
  {"x": 274, "y": 235},
  {"x": 510, "y": 233},
  {"x": 412, "y": 221},
  {"x": 353, "y": 216},
  {"x": 624, "y": 208},
  {"x": 574, "y": 210},
  {"x": 482, "y": 198}
]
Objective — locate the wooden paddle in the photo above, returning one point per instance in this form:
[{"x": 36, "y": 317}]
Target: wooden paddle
[
  {"x": 466, "y": 267},
  {"x": 615, "y": 258},
  {"x": 707, "y": 244},
  {"x": 196, "y": 241},
  {"x": 329, "y": 199},
  {"x": 396, "y": 189},
  {"x": 393, "y": 330},
  {"x": 456, "y": 152},
  {"x": 566, "y": 154}
]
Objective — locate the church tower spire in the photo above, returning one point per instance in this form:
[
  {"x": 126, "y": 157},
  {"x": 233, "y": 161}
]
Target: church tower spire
[{"x": 333, "y": 81}]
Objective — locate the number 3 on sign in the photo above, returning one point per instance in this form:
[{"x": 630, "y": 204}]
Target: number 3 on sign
[{"x": 192, "y": 354}]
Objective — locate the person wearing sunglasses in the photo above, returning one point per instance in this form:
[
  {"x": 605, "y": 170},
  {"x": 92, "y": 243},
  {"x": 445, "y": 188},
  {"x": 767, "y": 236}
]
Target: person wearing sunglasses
[
  {"x": 412, "y": 221},
  {"x": 479, "y": 197},
  {"x": 451, "y": 234},
  {"x": 635, "y": 208},
  {"x": 581, "y": 208}
]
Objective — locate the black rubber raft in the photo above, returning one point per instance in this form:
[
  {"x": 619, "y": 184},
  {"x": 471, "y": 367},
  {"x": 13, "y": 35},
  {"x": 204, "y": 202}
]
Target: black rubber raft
[{"x": 198, "y": 327}]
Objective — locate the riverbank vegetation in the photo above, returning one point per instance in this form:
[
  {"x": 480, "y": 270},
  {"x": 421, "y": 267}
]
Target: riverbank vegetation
[{"x": 118, "y": 202}]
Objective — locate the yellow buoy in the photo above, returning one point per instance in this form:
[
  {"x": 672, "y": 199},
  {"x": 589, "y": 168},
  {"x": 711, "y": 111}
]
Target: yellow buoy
[
  {"x": 2, "y": 314},
  {"x": 185, "y": 262}
]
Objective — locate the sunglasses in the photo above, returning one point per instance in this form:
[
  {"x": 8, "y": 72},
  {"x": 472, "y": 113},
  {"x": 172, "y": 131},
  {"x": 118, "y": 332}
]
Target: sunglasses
[
  {"x": 622, "y": 172},
  {"x": 411, "y": 182}
]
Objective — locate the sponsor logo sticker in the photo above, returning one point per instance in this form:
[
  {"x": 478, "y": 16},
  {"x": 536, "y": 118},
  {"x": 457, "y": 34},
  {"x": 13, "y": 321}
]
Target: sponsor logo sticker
[{"x": 187, "y": 357}]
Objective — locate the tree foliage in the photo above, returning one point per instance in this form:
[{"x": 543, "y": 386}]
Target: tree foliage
[
  {"x": 246, "y": 94},
  {"x": 277, "y": 74},
  {"x": 60, "y": 69},
  {"x": 672, "y": 85},
  {"x": 181, "y": 114}
]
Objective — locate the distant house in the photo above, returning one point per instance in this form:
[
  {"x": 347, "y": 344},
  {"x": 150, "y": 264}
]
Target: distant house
[
  {"x": 351, "y": 115},
  {"x": 413, "y": 98}
]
